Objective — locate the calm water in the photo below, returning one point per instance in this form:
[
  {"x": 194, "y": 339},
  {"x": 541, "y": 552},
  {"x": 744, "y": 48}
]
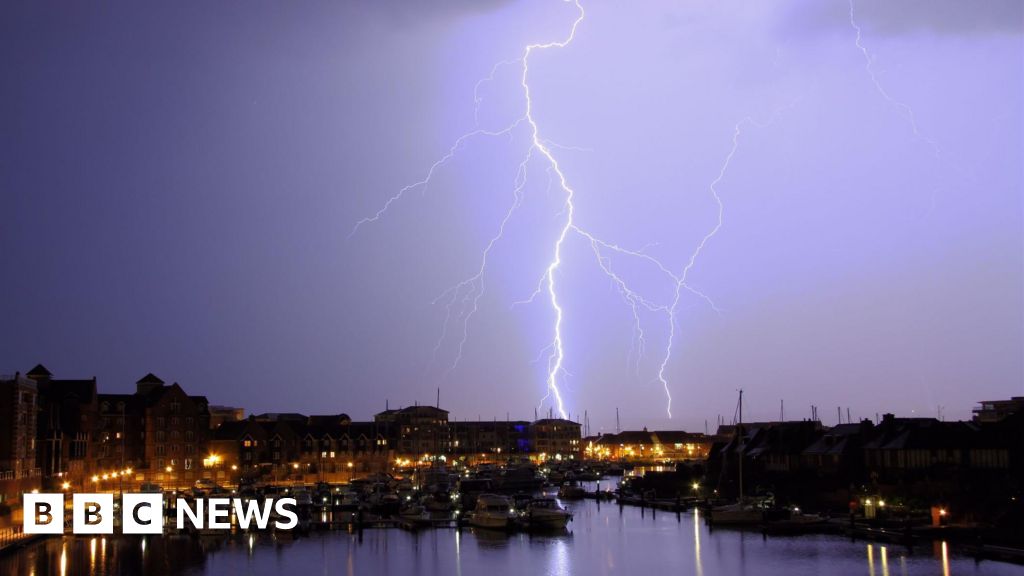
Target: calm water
[{"x": 600, "y": 540}]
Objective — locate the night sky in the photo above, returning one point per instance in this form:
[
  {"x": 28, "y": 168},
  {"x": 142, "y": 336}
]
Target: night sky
[{"x": 179, "y": 186}]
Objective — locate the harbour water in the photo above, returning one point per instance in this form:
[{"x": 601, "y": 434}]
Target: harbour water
[{"x": 602, "y": 539}]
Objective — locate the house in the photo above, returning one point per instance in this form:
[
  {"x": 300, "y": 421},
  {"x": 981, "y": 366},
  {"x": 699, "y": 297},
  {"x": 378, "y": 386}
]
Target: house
[
  {"x": 995, "y": 410},
  {"x": 158, "y": 434},
  {"x": 493, "y": 439},
  {"x": 67, "y": 412},
  {"x": 18, "y": 470},
  {"x": 838, "y": 455},
  {"x": 415, "y": 431},
  {"x": 556, "y": 438}
]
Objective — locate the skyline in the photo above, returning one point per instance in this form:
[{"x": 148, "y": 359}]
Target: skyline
[{"x": 184, "y": 207}]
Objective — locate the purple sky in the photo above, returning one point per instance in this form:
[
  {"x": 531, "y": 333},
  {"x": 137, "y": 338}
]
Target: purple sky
[{"x": 178, "y": 185}]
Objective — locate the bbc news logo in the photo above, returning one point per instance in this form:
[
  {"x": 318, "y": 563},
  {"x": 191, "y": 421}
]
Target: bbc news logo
[{"x": 143, "y": 513}]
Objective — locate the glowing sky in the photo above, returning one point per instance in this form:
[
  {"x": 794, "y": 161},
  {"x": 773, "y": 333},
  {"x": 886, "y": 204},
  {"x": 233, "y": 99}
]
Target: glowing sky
[{"x": 178, "y": 187}]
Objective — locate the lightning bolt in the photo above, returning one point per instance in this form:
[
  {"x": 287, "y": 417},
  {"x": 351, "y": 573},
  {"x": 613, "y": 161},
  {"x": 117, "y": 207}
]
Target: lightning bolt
[
  {"x": 462, "y": 300},
  {"x": 474, "y": 285},
  {"x": 557, "y": 357},
  {"x": 903, "y": 107}
]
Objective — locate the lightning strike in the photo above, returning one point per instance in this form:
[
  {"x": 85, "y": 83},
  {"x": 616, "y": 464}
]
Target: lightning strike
[
  {"x": 422, "y": 184},
  {"x": 557, "y": 358},
  {"x": 462, "y": 300},
  {"x": 475, "y": 284},
  {"x": 903, "y": 107}
]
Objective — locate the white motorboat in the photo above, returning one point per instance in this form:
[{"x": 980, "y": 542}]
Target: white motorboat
[
  {"x": 545, "y": 514},
  {"x": 492, "y": 511}
]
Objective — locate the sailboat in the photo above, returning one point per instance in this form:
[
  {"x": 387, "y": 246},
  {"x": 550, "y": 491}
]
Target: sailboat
[{"x": 742, "y": 513}]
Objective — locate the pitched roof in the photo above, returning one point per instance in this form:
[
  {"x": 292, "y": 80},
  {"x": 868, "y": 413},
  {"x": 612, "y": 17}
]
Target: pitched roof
[
  {"x": 560, "y": 421},
  {"x": 678, "y": 436},
  {"x": 149, "y": 378},
  {"x": 39, "y": 371},
  {"x": 627, "y": 437}
]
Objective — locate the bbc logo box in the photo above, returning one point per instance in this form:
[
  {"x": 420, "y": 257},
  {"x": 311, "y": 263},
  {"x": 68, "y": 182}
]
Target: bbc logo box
[
  {"x": 44, "y": 513},
  {"x": 93, "y": 514}
]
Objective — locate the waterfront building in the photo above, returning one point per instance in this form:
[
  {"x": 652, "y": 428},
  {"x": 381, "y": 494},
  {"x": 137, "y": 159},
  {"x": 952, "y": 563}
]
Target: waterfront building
[
  {"x": 222, "y": 414},
  {"x": 66, "y": 417},
  {"x": 294, "y": 448},
  {"x": 490, "y": 440},
  {"x": 415, "y": 432},
  {"x": 989, "y": 411},
  {"x": 648, "y": 446},
  {"x": 158, "y": 434},
  {"x": 556, "y": 438},
  {"x": 18, "y": 470}
]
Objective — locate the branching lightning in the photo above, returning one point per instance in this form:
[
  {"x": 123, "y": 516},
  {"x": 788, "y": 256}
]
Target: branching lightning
[
  {"x": 903, "y": 107},
  {"x": 462, "y": 300}
]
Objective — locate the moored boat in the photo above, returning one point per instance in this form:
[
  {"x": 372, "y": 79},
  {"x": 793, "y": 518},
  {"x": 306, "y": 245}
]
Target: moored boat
[
  {"x": 544, "y": 514},
  {"x": 492, "y": 511},
  {"x": 571, "y": 491},
  {"x": 739, "y": 514}
]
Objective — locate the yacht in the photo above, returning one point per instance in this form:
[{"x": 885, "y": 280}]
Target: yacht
[
  {"x": 545, "y": 514},
  {"x": 492, "y": 511}
]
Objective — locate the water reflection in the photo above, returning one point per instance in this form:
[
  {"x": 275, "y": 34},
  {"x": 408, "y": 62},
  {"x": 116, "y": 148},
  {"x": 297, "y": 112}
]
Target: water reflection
[
  {"x": 696, "y": 543},
  {"x": 458, "y": 552},
  {"x": 601, "y": 541},
  {"x": 945, "y": 559},
  {"x": 560, "y": 558}
]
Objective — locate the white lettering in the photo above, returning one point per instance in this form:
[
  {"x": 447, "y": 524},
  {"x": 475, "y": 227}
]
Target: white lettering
[
  {"x": 246, "y": 512},
  {"x": 281, "y": 506},
  {"x": 196, "y": 516}
]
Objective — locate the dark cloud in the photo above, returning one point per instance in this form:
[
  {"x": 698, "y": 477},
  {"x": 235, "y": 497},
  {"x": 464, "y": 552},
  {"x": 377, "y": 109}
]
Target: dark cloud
[
  {"x": 896, "y": 17},
  {"x": 404, "y": 10}
]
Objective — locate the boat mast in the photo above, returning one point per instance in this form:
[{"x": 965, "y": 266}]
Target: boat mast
[{"x": 739, "y": 430}]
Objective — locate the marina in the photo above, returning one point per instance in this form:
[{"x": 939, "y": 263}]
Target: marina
[
  {"x": 425, "y": 524},
  {"x": 602, "y": 538}
]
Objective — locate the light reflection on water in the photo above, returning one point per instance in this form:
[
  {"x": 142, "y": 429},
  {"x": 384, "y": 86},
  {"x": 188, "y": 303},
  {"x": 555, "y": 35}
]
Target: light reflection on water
[{"x": 602, "y": 539}]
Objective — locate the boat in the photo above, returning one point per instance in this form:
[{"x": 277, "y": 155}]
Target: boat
[
  {"x": 438, "y": 502},
  {"x": 571, "y": 491},
  {"x": 493, "y": 511},
  {"x": 798, "y": 523},
  {"x": 470, "y": 489},
  {"x": 544, "y": 514},
  {"x": 518, "y": 479},
  {"x": 740, "y": 513}
]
